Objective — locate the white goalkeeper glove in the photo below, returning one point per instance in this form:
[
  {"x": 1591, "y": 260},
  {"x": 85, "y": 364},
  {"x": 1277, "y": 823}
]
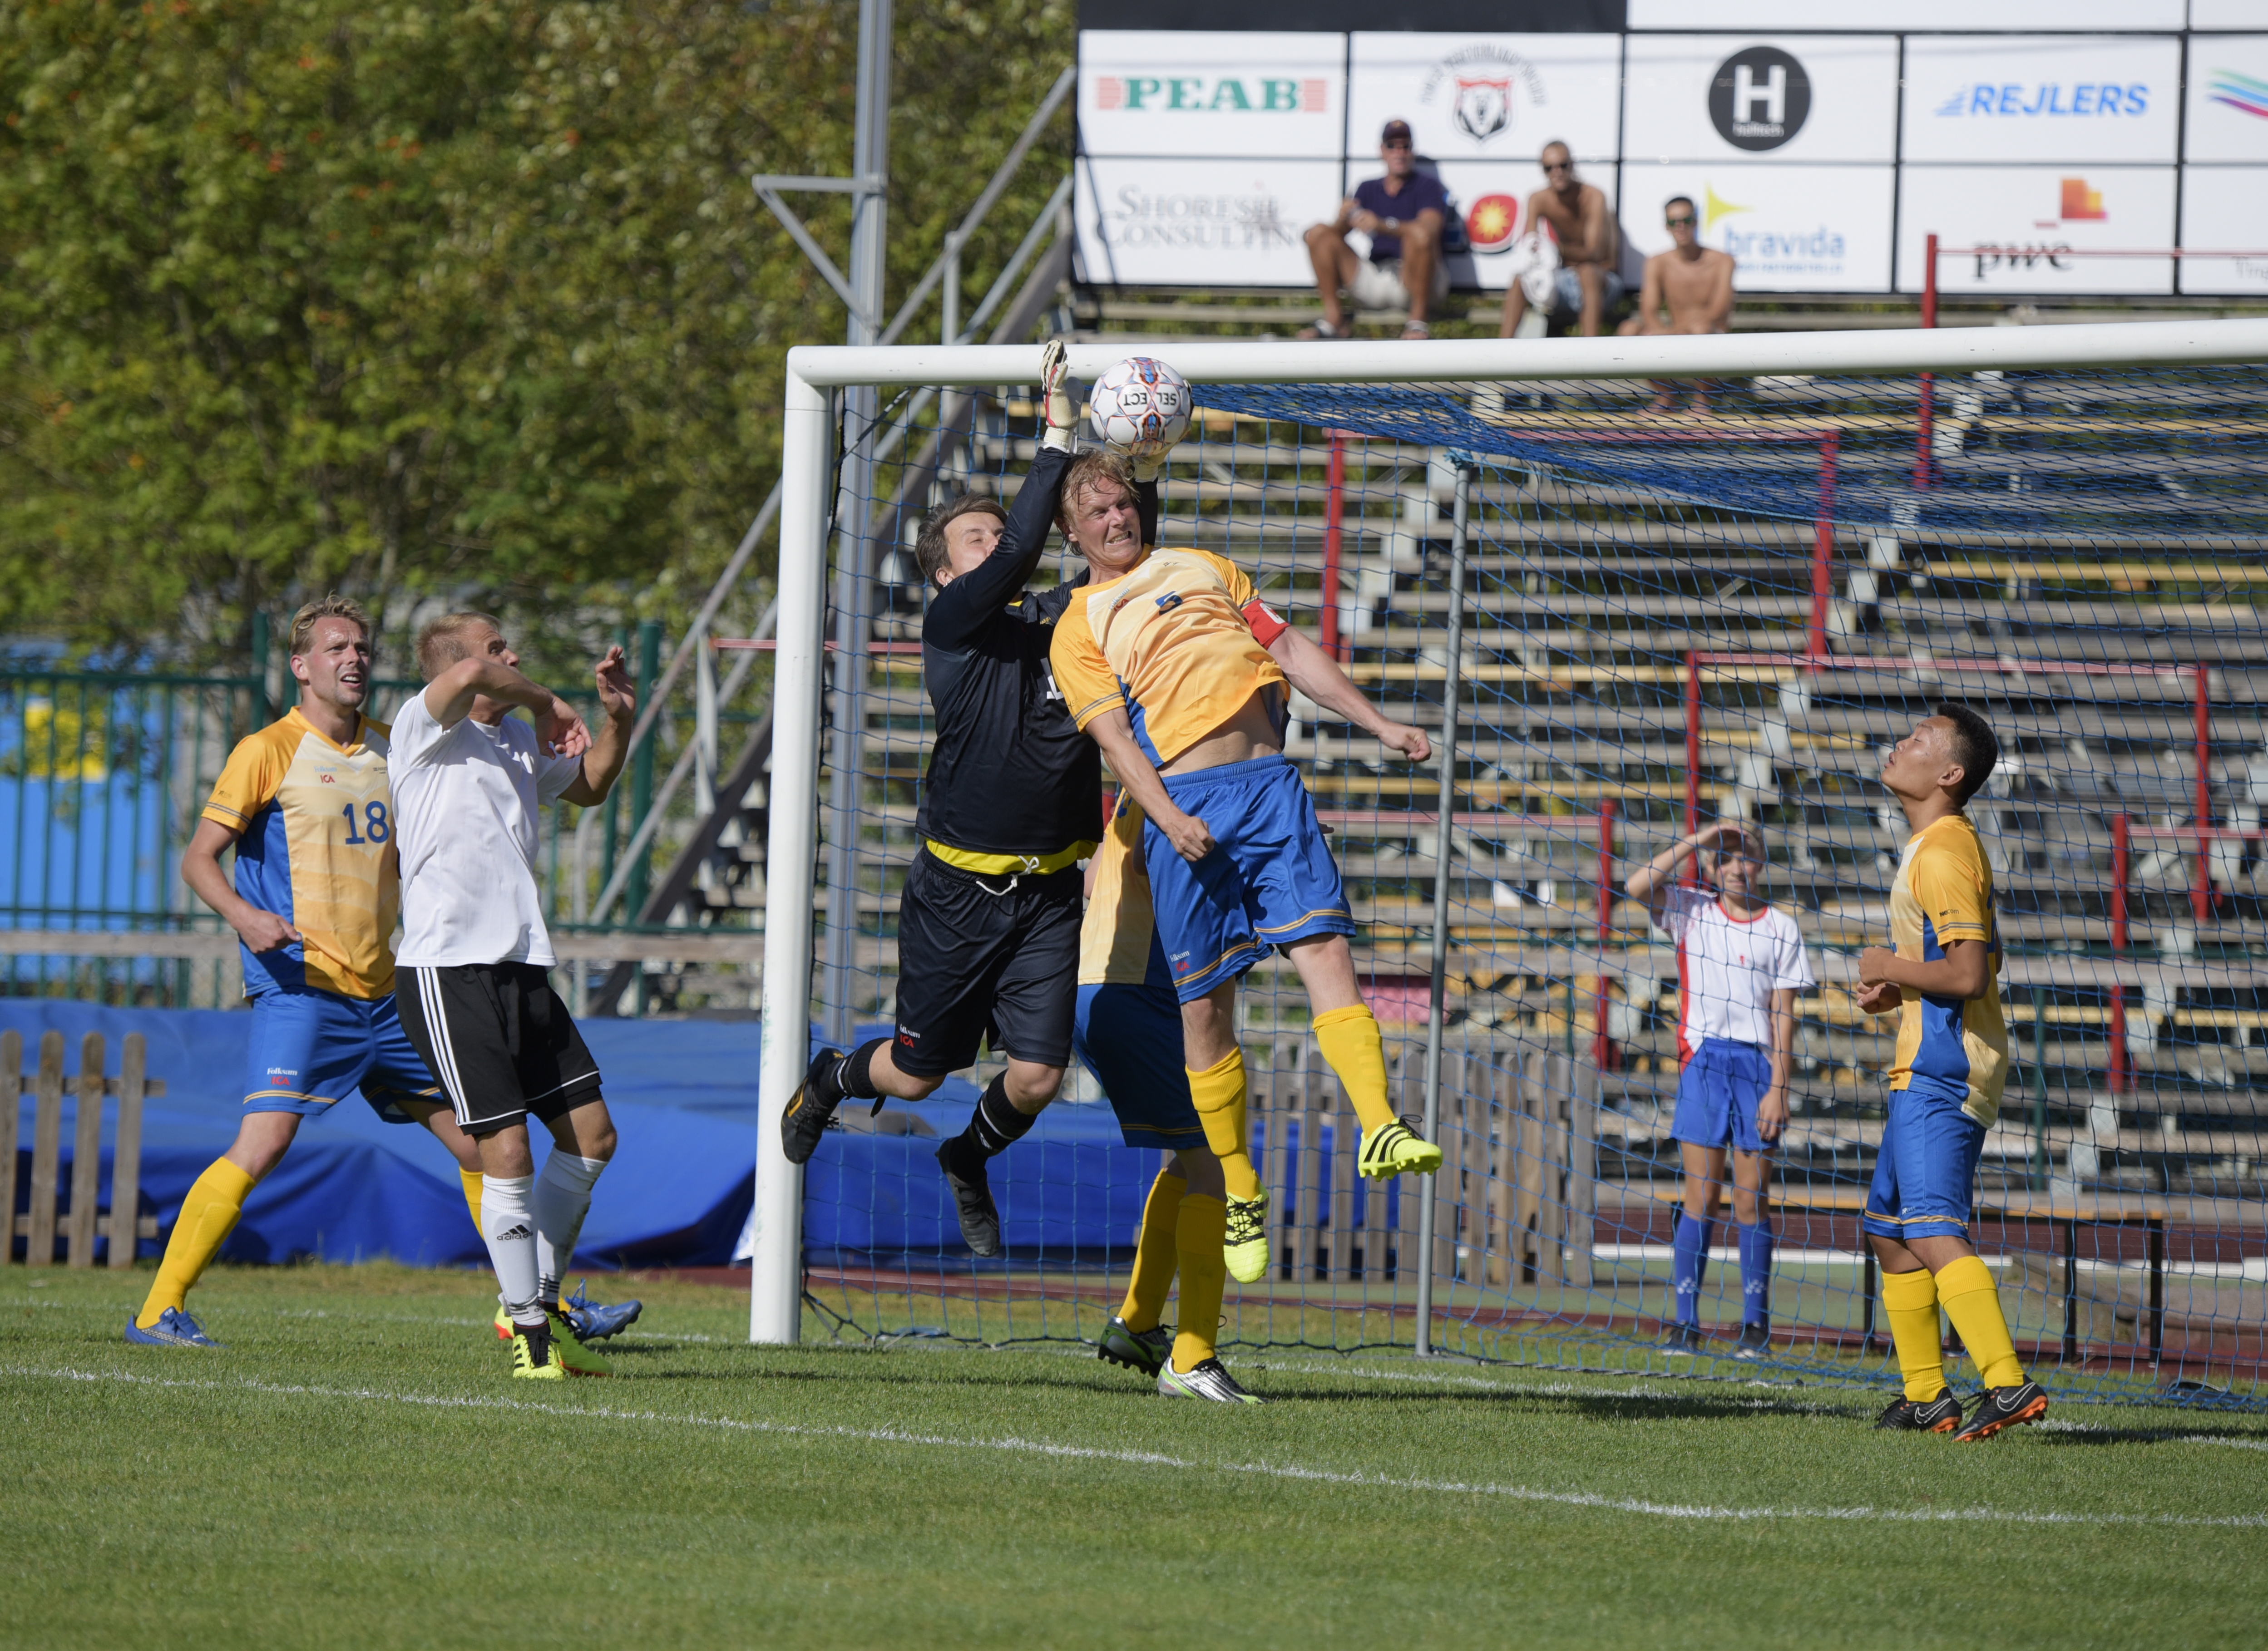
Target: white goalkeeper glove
[{"x": 1061, "y": 415}]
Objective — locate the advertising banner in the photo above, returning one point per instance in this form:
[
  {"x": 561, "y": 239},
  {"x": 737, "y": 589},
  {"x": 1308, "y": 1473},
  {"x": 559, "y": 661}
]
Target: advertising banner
[
  {"x": 1488, "y": 97},
  {"x": 2228, "y": 100},
  {"x": 1767, "y": 17},
  {"x": 1493, "y": 198},
  {"x": 2221, "y": 211},
  {"x": 2070, "y": 100},
  {"x": 1156, "y": 93},
  {"x": 1790, "y": 229},
  {"x": 1794, "y": 98},
  {"x": 2016, "y": 226},
  {"x": 1220, "y": 222}
]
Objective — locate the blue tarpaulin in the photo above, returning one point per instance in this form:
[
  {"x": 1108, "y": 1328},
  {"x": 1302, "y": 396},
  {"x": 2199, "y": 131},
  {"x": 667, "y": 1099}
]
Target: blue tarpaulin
[{"x": 683, "y": 1097}]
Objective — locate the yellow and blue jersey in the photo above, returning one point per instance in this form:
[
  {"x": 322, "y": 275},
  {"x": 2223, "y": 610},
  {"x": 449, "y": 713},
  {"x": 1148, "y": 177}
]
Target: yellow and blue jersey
[
  {"x": 1171, "y": 643},
  {"x": 1127, "y": 1030},
  {"x": 315, "y": 825},
  {"x": 1944, "y": 893}
]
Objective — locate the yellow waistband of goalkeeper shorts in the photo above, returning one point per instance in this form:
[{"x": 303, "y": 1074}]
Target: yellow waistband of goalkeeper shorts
[{"x": 985, "y": 865}]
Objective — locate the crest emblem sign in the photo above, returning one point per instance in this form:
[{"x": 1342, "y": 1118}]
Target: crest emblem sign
[{"x": 1482, "y": 107}]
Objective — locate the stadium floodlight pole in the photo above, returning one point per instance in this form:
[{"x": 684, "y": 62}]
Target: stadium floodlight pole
[
  {"x": 814, "y": 370},
  {"x": 853, "y": 552},
  {"x": 1437, "y": 1010}
]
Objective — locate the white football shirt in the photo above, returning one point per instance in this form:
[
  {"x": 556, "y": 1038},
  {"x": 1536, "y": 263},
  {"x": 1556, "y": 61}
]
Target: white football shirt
[
  {"x": 1728, "y": 967},
  {"x": 465, "y": 805}
]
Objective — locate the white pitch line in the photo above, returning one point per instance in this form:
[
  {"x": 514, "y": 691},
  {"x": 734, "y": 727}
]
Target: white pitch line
[{"x": 1147, "y": 1458}]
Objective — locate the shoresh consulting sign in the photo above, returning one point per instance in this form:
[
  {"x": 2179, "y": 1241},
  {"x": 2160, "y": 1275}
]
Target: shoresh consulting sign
[{"x": 1204, "y": 156}]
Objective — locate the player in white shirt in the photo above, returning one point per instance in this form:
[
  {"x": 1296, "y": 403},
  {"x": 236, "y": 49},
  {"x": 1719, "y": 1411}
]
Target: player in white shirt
[
  {"x": 1741, "y": 961},
  {"x": 476, "y": 996}
]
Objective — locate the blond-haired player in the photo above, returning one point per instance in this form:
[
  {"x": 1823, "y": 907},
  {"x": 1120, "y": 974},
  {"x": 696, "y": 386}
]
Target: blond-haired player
[{"x": 1170, "y": 662}]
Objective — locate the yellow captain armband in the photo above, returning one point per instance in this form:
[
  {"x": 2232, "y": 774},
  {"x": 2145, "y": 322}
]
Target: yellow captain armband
[{"x": 992, "y": 865}]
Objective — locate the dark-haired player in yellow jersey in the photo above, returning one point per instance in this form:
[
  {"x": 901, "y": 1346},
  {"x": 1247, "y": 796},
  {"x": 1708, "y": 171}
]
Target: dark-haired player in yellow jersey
[{"x": 1940, "y": 975}]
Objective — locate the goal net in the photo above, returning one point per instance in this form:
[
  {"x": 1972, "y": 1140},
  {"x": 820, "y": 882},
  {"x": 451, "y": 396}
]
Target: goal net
[{"x": 1644, "y": 586}]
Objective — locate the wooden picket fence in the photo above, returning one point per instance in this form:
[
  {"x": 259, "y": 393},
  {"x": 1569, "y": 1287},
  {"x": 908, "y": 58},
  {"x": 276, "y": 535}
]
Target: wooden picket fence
[
  {"x": 82, "y": 1222},
  {"x": 1514, "y": 1196}
]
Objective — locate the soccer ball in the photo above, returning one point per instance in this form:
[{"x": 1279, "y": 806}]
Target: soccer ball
[{"x": 1140, "y": 405}]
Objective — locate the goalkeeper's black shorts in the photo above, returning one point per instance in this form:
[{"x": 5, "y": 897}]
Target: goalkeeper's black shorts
[{"x": 986, "y": 958}]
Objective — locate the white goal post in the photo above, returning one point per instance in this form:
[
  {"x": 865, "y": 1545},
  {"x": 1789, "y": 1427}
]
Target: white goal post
[{"x": 814, "y": 372}]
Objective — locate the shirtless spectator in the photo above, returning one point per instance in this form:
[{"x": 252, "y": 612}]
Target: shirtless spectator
[
  {"x": 1589, "y": 248},
  {"x": 1693, "y": 285},
  {"x": 1403, "y": 213}
]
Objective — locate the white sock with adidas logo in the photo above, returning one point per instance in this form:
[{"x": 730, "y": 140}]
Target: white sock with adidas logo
[{"x": 509, "y": 1230}]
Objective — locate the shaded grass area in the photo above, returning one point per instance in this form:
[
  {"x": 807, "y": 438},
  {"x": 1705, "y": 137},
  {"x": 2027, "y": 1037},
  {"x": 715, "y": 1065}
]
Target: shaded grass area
[{"x": 355, "y": 1468}]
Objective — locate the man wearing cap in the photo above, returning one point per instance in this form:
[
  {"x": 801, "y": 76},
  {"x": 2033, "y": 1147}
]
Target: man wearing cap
[{"x": 1404, "y": 214}]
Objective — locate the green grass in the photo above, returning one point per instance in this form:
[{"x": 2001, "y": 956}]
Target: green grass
[{"x": 354, "y": 1470}]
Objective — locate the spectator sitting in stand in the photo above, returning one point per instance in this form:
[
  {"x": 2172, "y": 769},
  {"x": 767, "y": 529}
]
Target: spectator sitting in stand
[
  {"x": 1404, "y": 213},
  {"x": 1693, "y": 285},
  {"x": 1587, "y": 285}
]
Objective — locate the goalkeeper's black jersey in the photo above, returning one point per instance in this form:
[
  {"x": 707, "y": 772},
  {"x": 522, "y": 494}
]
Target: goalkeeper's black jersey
[{"x": 1009, "y": 773}]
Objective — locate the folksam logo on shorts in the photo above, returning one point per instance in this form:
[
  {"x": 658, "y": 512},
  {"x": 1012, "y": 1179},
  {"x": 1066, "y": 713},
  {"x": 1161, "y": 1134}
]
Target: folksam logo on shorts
[{"x": 2046, "y": 99}]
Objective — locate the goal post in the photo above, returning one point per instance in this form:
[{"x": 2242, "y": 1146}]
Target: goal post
[{"x": 1431, "y": 370}]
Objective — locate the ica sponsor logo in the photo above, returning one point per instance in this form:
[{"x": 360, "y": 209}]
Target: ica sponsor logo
[
  {"x": 1759, "y": 98},
  {"x": 2046, "y": 99},
  {"x": 1253, "y": 222},
  {"x": 1483, "y": 88},
  {"x": 1212, "y": 94}
]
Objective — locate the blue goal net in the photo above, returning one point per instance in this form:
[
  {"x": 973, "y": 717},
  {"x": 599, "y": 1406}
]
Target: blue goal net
[{"x": 1664, "y": 606}]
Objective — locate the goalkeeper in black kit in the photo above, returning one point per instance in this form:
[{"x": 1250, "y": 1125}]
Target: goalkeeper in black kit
[{"x": 988, "y": 920}]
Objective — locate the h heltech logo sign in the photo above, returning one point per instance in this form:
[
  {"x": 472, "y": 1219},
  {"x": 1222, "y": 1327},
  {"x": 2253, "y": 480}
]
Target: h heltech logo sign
[{"x": 1759, "y": 97}]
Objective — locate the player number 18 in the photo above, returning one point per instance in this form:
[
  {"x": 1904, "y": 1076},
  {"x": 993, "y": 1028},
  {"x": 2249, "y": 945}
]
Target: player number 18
[{"x": 373, "y": 824}]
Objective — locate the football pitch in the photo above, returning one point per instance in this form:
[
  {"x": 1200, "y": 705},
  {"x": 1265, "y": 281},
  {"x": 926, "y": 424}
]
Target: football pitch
[{"x": 354, "y": 1469}]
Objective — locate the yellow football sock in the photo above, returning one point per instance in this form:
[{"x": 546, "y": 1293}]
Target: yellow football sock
[
  {"x": 471, "y": 1180},
  {"x": 1972, "y": 1302},
  {"x": 1350, "y": 1043},
  {"x": 1197, "y": 1234},
  {"x": 1154, "y": 1254},
  {"x": 1218, "y": 1092},
  {"x": 1909, "y": 1301},
  {"x": 208, "y": 1214}
]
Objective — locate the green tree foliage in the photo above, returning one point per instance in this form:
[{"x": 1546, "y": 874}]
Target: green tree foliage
[{"x": 468, "y": 300}]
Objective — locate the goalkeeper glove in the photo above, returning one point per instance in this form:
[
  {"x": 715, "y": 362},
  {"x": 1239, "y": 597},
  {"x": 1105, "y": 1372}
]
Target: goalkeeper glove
[
  {"x": 1146, "y": 461},
  {"x": 1062, "y": 414}
]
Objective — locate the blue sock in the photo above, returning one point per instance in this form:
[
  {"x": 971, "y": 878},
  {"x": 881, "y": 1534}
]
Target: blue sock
[
  {"x": 1689, "y": 1245},
  {"x": 1756, "y": 1274}
]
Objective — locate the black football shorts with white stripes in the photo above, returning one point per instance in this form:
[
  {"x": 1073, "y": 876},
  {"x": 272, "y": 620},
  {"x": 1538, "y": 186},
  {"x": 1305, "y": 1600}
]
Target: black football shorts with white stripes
[{"x": 499, "y": 1041}]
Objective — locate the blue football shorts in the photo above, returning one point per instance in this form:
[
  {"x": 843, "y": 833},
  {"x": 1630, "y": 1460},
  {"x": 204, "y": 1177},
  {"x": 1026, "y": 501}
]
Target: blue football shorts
[
  {"x": 1271, "y": 880},
  {"x": 1717, "y": 1094},
  {"x": 310, "y": 1048},
  {"x": 1130, "y": 1036},
  {"x": 1926, "y": 1176}
]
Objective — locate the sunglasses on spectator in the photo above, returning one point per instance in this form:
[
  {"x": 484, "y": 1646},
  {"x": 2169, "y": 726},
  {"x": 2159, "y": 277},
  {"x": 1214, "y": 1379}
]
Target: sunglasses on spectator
[
  {"x": 1395, "y": 142},
  {"x": 1559, "y": 166},
  {"x": 1684, "y": 218}
]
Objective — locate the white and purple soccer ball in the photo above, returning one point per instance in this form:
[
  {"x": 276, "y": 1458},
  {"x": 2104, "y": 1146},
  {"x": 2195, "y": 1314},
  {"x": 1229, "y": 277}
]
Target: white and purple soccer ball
[{"x": 1140, "y": 405}]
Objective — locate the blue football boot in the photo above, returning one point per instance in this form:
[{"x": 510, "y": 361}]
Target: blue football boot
[{"x": 174, "y": 1328}]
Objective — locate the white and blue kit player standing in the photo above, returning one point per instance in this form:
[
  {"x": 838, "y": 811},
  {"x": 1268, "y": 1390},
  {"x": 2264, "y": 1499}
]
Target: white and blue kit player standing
[{"x": 1741, "y": 961}]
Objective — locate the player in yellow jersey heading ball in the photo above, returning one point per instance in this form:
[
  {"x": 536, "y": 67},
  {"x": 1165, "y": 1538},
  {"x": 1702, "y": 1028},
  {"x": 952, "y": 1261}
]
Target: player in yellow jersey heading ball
[
  {"x": 1940, "y": 974},
  {"x": 1169, "y": 661}
]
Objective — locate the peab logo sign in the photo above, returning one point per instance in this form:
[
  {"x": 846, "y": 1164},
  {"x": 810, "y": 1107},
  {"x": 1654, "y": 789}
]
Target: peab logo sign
[
  {"x": 1241, "y": 94},
  {"x": 1759, "y": 98}
]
